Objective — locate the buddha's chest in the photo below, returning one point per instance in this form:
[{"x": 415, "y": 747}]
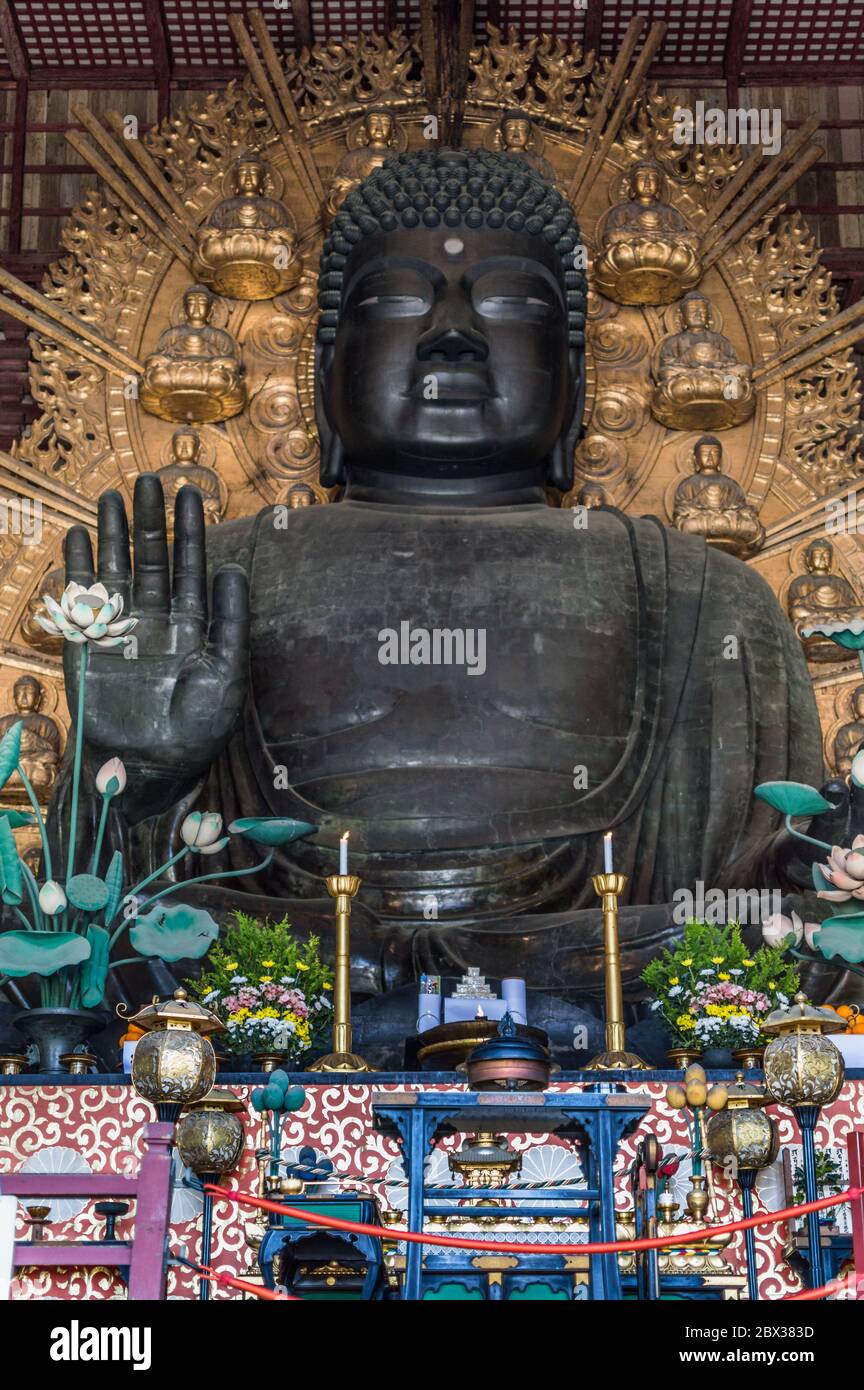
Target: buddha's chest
[{"x": 418, "y": 640}]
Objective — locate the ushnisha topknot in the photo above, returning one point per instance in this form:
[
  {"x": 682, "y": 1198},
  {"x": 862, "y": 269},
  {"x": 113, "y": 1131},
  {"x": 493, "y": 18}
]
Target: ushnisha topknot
[{"x": 452, "y": 188}]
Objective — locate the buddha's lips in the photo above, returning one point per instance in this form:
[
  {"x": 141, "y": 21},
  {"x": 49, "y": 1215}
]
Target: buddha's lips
[{"x": 452, "y": 383}]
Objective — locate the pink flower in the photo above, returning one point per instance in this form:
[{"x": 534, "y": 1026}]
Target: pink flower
[
  {"x": 811, "y": 931},
  {"x": 232, "y": 1003},
  {"x": 845, "y": 872}
]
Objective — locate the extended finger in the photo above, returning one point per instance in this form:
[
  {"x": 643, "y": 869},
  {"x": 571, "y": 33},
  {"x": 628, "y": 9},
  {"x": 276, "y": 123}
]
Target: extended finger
[
  {"x": 115, "y": 570},
  {"x": 151, "y": 589},
  {"x": 229, "y": 630},
  {"x": 190, "y": 554},
  {"x": 78, "y": 554}
]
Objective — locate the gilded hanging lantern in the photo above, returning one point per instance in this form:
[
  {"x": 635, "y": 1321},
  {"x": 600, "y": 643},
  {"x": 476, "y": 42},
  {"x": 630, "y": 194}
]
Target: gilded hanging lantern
[
  {"x": 802, "y": 1065},
  {"x": 174, "y": 1063},
  {"x": 210, "y": 1133},
  {"x": 742, "y": 1132}
]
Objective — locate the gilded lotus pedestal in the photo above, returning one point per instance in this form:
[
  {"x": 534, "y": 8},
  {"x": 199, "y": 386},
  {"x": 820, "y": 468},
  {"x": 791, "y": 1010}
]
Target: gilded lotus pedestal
[
  {"x": 248, "y": 264},
  {"x": 646, "y": 270}
]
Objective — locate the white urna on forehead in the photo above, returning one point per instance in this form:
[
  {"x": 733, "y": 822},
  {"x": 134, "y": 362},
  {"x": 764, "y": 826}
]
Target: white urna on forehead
[{"x": 454, "y": 246}]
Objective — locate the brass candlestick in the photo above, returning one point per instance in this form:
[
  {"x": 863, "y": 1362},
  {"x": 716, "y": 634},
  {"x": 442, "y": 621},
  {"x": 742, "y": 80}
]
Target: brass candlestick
[
  {"x": 609, "y": 887},
  {"x": 342, "y": 887}
]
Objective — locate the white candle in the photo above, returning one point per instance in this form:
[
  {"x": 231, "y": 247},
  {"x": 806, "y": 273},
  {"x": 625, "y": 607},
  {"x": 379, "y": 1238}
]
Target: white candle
[
  {"x": 607, "y": 853},
  {"x": 343, "y": 854}
]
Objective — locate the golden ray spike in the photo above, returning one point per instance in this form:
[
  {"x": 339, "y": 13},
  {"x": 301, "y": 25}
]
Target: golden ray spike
[
  {"x": 610, "y": 91},
  {"x": 631, "y": 90},
  {"x": 64, "y": 512},
  {"x": 815, "y": 335},
  {"x": 723, "y": 214},
  {"x": 274, "y": 110},
  {"x": 33, "y": 476},
  {"x": 160, "y": 205},
  {"x": 56, "y": 315},
  {"x": 115, "y": 182},
  {"x": 804, "y": 515},
  {"x": 769, "y": 199},
  {"x": 81, "y": 341},
  {"x": 148, "y": 166},
  {"x": 283, "y": 92},
  {"x": 823, "y": 349}
]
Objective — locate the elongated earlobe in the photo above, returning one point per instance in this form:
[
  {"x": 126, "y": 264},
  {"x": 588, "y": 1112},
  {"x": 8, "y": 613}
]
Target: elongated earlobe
[
  {"x": 332, "y": 472},
  {"x": 560, "y": 471}
]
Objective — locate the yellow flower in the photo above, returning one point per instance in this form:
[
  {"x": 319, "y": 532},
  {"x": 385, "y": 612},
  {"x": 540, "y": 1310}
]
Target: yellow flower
[
  {"x": 240, "y": 1016},
  {"x": 688, "y": 961},
  {"x": 673, "y": 979},
  {"x": 772, "y": 984},
  {"x": 301, "y": 965},
  {"x": 268, "y": 964},
  {"x": 723, "y": 976},
  {"x": 717, "y": 960},
  {"x": 326, "y": 986},
  {"x": 748, "y": 962},
  {"x": 685, "y": 1021},
  {"x": 265, "y": 979},
  {"x": 230, "y": 965},
  {"x": 267, "y": 1013}
]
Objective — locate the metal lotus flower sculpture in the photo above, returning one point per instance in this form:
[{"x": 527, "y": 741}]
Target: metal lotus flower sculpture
[
  {"x": 839, "y": 880},
  {"x": 65, "y": 930}
]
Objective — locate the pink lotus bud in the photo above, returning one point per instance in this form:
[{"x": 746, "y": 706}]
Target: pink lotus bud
[
  {"x": 777, "y": 927},
  {"x": 113, "y": 769},
  {"x": 811, "y": 931}
]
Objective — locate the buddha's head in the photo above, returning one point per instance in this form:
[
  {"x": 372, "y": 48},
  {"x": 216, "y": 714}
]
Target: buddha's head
[
  {"x": 645, "y": 181},
  {"x": 249, "y": 175},
  {"x": 707, "y": 454},
  {"x": 451, "y": 337},
  {"x": 378, "y": 128},
  {"x": 185, "y": 446},
  {"x": 301, "y": 495},
  {"x": 515, "y": 130},
  {"x": 592, "y": 495},
  {"x": 27, "y": 695},
  {"x": 695, "y": 311},
  {"x": 819, "y": 556},
  {"x": 197, "y": 305},
  {"x": 858, "y": 702}
]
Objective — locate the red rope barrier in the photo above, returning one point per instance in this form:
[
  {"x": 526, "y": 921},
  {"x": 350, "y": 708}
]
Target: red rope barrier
[
  {"x": 505, "y": 1247},
  {"x": 806, "y": 1295},
  {"x": 214, "y": 1277}
]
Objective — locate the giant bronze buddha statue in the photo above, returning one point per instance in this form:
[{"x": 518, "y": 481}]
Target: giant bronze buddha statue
[{"x": 592, "y": 691}]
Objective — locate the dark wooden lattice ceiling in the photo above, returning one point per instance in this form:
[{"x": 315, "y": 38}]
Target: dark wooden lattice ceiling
[{"x": 87, "y": 41}]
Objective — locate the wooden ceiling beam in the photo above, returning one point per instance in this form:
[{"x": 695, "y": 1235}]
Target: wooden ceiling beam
[
  {"x": 161, "y": 46},
  {"x": 303, "y": 36},
  {"x": 736, "y": 42},
  {"x": 19, "y": 63}
]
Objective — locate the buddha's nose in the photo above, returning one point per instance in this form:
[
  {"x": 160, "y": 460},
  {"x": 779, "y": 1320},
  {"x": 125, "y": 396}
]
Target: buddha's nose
[{"x": 452, "y": 337}]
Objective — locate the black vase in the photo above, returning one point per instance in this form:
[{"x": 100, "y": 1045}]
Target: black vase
[{"x": 55, "y": 1031}]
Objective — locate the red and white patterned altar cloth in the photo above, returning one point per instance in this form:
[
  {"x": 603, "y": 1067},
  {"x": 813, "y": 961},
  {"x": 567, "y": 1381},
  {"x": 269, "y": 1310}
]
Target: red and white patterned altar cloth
[{"x": 104, "y": 1123}]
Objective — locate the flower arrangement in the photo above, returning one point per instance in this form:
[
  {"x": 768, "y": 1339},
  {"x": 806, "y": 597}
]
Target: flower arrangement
[
  {"x": 711, "y": 991},
  {"x": 71, "y": 923},
  {"x": 272, "y": 994}
]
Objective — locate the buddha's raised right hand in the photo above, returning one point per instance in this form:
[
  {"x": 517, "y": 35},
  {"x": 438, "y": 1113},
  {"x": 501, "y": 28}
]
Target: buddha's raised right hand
[{"x": 166, "y": 702}]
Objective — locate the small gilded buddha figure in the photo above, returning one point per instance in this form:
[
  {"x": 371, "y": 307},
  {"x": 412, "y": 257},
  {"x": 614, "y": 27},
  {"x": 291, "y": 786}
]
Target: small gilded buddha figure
[
  {"x": 850, "y": 737},
  {"x": 820, "y": 596},
  {"x": 648, "y": 253},
  {"x": 589, "y": 496},
  {"x": 710, "y": 504},
  {"x": 301, "y": 495},
  {"x": 378, "y": 140},
  {"x": 40, "y": 740},
  {"x": 699, "y": 381},
  {"x": 185, "y": 468},
  {"x": 247, "y": 248},
  {"x": 196, "y": 373},
  {"x": 516, "y": 135}
]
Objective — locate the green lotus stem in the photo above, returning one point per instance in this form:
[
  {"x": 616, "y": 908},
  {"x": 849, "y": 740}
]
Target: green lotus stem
[
  {"x": 812, "y": 960},
  {"x": 76, "y": 769},
  {"x": 20, "y": 914},
  {"x": 7, "y": 983},
  {"x": 208, "y": 878},
  {"x": 169, "y": 863},
  {"x": 100, "y": 833},
  {"x": 799, "y": 835},
  {"x": 43, "y": 833},
  {"x": 33, "y": 893},
  {"x": 129, "y": 960}
]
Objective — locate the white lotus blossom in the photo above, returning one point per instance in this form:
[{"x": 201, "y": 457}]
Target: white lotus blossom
[
  {"x": 201, "y": 831},
  {"x": 86, "y": 615}
]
